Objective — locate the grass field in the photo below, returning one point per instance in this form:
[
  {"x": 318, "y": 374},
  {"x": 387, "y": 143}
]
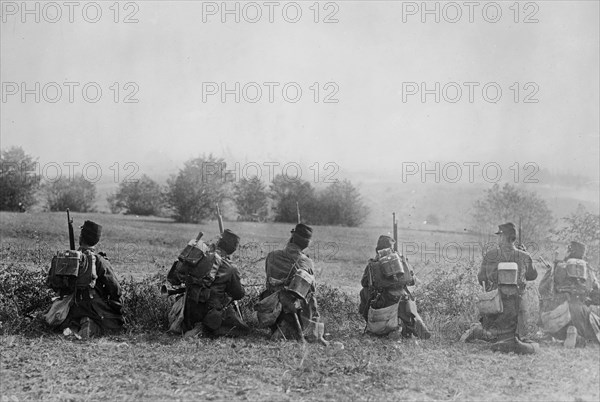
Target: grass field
[{"x": 155, "y": 366}]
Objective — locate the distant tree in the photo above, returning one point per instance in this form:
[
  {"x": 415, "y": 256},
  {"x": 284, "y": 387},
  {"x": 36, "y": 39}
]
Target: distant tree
[
  {"x": 582, "y": 226},
  {"x": 18, "y": 181},
  {"x": 286, "y": 192},
  {"x": 341, "y": 204},
  {"x": 77, "y": 194},
  {"x": 114, "y": 205},
  {"x": 141, "y": 197},
  {"x": 511, "y": 204},
  {"x": 194, "y": 191},
  {"x": 251, "y": 197}
]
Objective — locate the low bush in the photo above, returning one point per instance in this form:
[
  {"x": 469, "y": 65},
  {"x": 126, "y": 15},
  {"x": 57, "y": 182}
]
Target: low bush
[
  {"x": 446, "y": 302},
  {"x": 338, "y": 310},
  {"x": 23, "y": 294},
  {"x": 448, "y": 291},
  {"x": 144, "y": 307}
]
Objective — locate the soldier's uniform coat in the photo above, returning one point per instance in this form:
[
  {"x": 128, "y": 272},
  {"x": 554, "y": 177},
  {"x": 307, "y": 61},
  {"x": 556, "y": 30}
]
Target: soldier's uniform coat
[
  {"x": 507, "y": 322},
  {"x": 102, "y": 303},
  {"x": 279, "y": 271},
  {"x": 582, "y": 317},
  {"x": 213, "y": 301}
]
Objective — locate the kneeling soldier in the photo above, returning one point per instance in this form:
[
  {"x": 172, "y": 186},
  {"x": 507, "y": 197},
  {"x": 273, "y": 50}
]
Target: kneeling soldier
[
  {"x": 385, "y": 301},
  {"x": 289, "y": 304},
  {"x": 503, "y": 273},
  {"x": 90, "y": 296},
  {"x": 566, "y": 292},
  {"x": 212, "y": 285}
]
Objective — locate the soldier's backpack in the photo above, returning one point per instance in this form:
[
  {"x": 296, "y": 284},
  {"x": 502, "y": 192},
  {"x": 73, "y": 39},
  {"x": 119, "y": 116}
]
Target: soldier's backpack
[
  {"x": 390, "y": 269},
  {"x": 71, "y": 270},
  {"x": 196, "y": 267},
  {"x": 190, "y": 256},
  {"x": 301, "y": 284},
  {"x": 571, "y": 276}
]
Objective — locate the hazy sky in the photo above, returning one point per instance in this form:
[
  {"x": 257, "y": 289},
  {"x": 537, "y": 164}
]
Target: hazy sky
[{"x": 369, "y": 57}]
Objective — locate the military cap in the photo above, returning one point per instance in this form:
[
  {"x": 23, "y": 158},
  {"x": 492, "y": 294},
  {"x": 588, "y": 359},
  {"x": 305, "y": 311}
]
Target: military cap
[
  {"x": 229, "y": 241},
  {"x": 507, "y": 228},
  {"x": 91, "y": 232},
  {"x": 303, "y": 231},
  {"x": 384, "y": 242},
  {"x": 577, "y": 249}
]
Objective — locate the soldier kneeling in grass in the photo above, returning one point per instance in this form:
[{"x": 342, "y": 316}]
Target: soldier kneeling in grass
[
  {"x": 288, "y": 306},
  {"x": 504, "y": 273},
  {"x": 567, "y": 291},
  {"x": 212, "y": 285},
  {"x": 385, "y": 302},
  {"x": 90, "y": 295}
]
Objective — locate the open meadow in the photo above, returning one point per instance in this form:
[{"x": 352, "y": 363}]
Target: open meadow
[{"x": 145, "y": 363}]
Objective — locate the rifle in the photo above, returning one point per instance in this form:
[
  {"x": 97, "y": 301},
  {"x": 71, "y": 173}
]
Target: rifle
[
  {"x": 169, "y": 292},
  {"x": 521, "y": 246},
  {"x": 395, "y": 231},
  {"x": 221, "y": 229},
  {"x": 219, "y": 219},
  {"x": 296, "y": 316},
  {"x": 71, "y": 234},
  {"x": 546, "y": 264},
  {"x": 298, "y": 212}
]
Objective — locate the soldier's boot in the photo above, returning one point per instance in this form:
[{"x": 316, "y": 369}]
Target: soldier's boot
[
  {"x": 477, "y": 332},
  {"x": 196, "y": 331},
  {"x": 571, "y": 339},
  {"x": 395, "y": 335},
  {"x": 281, "y": 331},
  {"x": 88, "y": 328},
  {"x": 526, "y": 348},
  {"x": 420, "y": 330},
  {"x": 514, "y": 344},
  {"x": 315, "y": 331}
]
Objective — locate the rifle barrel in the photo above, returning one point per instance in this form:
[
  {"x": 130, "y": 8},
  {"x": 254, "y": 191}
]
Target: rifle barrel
[
  {"x": 219, "y": 219},
  {"x": 395, "y": 231},
  {"x": 71, "y": 234}
]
